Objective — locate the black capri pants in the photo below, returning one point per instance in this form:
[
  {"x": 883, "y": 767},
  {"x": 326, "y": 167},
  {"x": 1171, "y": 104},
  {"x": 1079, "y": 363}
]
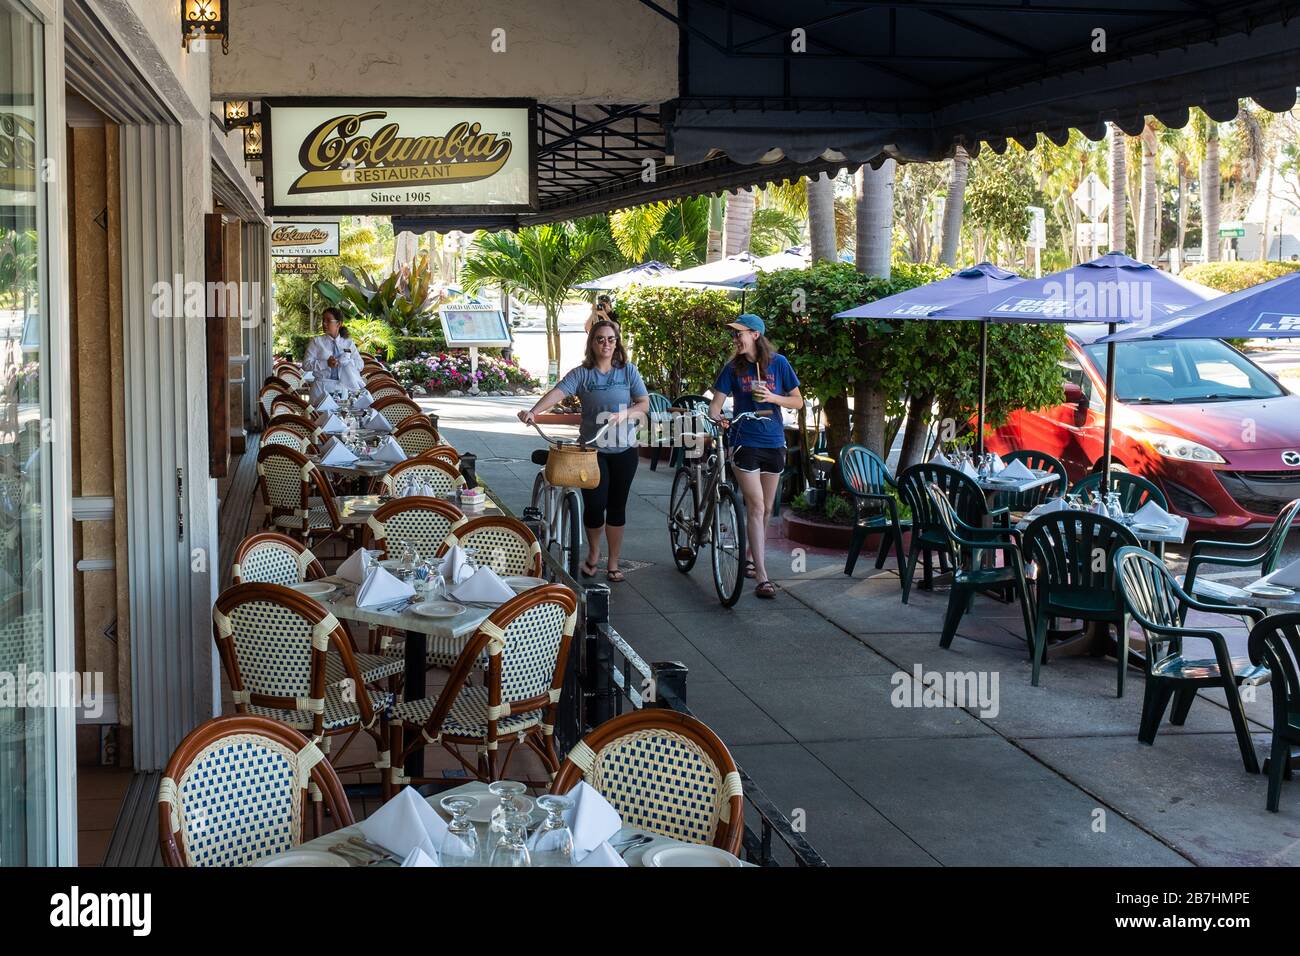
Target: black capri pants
[{"x": 607, "y": 502}]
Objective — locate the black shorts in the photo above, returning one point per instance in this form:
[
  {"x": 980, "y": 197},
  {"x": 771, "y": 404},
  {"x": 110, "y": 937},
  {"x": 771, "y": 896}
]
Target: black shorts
[{"x": 769, "y": 461}]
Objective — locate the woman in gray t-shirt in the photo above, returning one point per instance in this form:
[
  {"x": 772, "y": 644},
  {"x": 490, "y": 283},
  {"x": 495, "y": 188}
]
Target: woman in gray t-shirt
[{"x": 611, "y": 390}]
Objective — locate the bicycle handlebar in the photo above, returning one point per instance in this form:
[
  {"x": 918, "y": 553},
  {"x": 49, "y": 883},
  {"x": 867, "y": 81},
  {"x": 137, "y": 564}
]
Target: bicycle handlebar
[{"x": 568, "y": 441}]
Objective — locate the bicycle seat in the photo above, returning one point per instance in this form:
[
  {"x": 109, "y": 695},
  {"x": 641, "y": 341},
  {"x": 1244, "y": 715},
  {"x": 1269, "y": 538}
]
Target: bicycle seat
[{"x": 540, "y": 456}]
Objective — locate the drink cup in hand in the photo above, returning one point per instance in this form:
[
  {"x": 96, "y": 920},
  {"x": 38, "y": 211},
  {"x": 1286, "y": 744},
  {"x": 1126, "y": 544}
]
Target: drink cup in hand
[{"x": 759, "y": 390}]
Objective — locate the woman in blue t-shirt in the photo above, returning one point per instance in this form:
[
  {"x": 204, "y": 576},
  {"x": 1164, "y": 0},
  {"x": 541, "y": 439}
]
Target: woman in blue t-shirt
[
  {"x": 757, "y": 377},
  {"x": 611, "y": 390}
]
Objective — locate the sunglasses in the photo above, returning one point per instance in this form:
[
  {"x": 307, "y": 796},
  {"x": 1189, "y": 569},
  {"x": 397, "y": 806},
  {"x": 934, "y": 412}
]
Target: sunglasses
[
  {"x": 605, "y": 339},
  {"x": 739, "y": 333}
]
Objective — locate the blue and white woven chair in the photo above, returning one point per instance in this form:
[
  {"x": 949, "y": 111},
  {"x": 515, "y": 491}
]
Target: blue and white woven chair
[
  {"x": 527, "y": 643},
  {"x": 269, "y": 557},
  {"x": 291, "y": 375},
  {"x": 303, "y": 427},
  {"x": 237, "y": 790},
  {"x": 417, "y": 436},
  {"x": 506, "y": 545},
  {"x": 297, "y": 495},
  {"x": 273, "y": 643},
  {"x": 289, "y": 436},
  {"x": 443, "y": 476},
  {"x": 268, "y": 394},
  {"x": 424, "y": 522},
  {"x": 665, "y": 773},
  {"x": 397, "y": 409}
]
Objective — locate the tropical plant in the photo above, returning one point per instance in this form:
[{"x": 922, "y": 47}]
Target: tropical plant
[
  {"x": 954, "y": 207},
  {"x": 404, "y": 300},
  {"x": 18, "y": 266},
  {"x": 373, "y": 335},
  {"x": 998, "y": 195},
  {"x": 540, "y": 265},
  {"x": 678, "y": 337}
]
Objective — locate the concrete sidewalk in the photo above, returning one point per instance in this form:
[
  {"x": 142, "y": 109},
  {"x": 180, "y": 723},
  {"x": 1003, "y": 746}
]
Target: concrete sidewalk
[{"x": 803, "y": 691}]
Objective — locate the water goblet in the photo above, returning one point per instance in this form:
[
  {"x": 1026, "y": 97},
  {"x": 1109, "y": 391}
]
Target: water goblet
[
  {"x": 459, "y": 845},
  {"x": 510, "y": 796},
  {"x": 511, "y": 849},
  {"x": 552, "y": 843}
]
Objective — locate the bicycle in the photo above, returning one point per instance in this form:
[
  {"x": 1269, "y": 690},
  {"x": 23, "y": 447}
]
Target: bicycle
[
  {"x": 703, "y": 509},
  {"x": 559, "y": 509}
]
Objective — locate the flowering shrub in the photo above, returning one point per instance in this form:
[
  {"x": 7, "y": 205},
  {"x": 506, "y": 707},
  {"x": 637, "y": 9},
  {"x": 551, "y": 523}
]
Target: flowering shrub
[{"x": 447, "y": 371}]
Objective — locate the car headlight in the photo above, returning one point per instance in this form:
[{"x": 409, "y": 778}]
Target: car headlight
[{"x": 1182, "y": 449}]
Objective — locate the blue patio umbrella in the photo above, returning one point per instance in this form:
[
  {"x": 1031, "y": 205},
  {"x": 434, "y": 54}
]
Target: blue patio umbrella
[
  {"x": 927, "y": 301},
  {"x": 1270, "y": 310},
  {"x": 1113, "y": 289}
]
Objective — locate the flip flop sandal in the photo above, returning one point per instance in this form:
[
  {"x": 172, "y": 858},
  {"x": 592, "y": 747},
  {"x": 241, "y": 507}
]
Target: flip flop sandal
[
  {"x": 614, "y": 576},
  {"x": 582, "y": 569},
  {"x": 749, "y": 569},
  {"x": 765, "y": 590}
]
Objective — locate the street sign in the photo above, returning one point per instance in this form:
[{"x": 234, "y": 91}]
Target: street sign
[
  {"x": 1232, "y": 230},
  {"x": 1092, "y": 235},
  {"x": 1092, "y": 197},
  {"x": 1037, "y": 228}
]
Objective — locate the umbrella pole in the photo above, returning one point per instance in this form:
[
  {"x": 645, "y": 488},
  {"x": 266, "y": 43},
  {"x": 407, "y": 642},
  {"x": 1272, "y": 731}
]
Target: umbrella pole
[
  {"x": 1110, "y": 412},
  {"x": 984, "y": 368}
]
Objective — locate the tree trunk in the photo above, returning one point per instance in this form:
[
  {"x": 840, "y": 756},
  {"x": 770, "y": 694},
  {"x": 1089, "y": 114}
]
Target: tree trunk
[
  {"x": 1183, "y": 184},
  {"x": 821, "y": 217},
  {"x": 953, "y": 208},
  {"x": 873, "y": 193},
  {"x": 1149, "y": 221},
  {"x": 552, "y": 345},
  {"x": 916, "y": 430},
  {"x": 1118, "y": 176},
  {"x": 837, "y": 425},
  {"x": 738, "y": 223},
  {"x": 1210, "y": 196},
  {"x": 713, "y": 249}
]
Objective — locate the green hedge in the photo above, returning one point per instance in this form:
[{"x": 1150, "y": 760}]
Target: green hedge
[
  {"x": 408, "y": 346},
  {"x": 1235, "y": 276},
  {"x": 677, "y": 338}
]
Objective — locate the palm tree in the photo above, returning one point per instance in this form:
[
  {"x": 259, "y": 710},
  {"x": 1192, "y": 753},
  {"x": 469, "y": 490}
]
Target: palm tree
[
  {"x": 1148, "y": 229},
  {"x": 821, "y": 217},
  {"x": 675, "y": 232},
  {"x": 953, "y": 207},
  {"x": 540, "y": 265},
  {"x": 1177, "y": 147},
  {"x": 1118, "y": 187},
  {"x": 1205, "y": 147},
  {"x": 738, "y": 223}
]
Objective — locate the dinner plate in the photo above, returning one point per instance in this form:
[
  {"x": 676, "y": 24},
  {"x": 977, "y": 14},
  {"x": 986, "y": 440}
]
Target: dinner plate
[
  {"x": 438, "y": 609},
  {"x": 639, "y": 855},
  {"x": 487, "y": 803},
  {"x": 364, "y": 506},
  {"x": 1269, "y": 590},
  {"x": 303, "y": 858},
  {"x": 1152, "y": 528},
  {"x": 689, "y": 855},
  {"x": 522, "y": 582},
  {"x": 315, "y": 588},
  {"x": 374, "y": 465}
]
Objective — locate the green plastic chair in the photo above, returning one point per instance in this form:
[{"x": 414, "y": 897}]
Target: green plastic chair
[
  {"x": 1262, "y": 554},
  {"x": 1018, "y": 502},
  {"x": 1160, "y": 606},
  {"x": 1134, "y": 491},
  {"x": 929, "y": 535},
  {"x": 966, "y": 545},
  {"x": 659, "y": 405},
  {"x": 1073, "y": 551},
  {"x": 1275, "y": 644},
  {"x": 867, "y": 480}
]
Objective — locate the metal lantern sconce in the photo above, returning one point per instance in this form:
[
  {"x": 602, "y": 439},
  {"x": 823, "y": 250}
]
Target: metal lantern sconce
[
  {"x": 238, "y": 113},
  {"x": 205, "y": 20},
  {"x": 253, "y": 142}
]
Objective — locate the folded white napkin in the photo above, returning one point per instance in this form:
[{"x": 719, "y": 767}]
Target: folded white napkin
[
  {"x": 376, "y": 422},
  {"x": 940, "y": 459},
  {"x": 592, "y": 820},
  {"x": 603, "y": 855},
  {"x": 1288, "y": 577},
  {"x": 327, "y": 404},
  {"x": 380, "y": 587},
  {"x": 998, "y": 463},
  {"x": 418, "y": 857},
  {"x": 1017, "y": 469},
  {"x": 404, "y": 824},
  {"x": 390, "y": 451},
  {"x": 1152, "y": 513},
  {"x": 968, "y": 469},
  {"x": 354, "y": 569},
  {"x": 483, "y": 585},
  {"x": 333, "y": 425},
  {"x": 1056, "y": 504},
  {"x": 363, "y": 401},
  {"x": 336, "y": 453},
  {"x": 456, "y": 567}
]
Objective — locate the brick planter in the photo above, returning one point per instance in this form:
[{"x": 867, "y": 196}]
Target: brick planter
[{"x": 823, "y": 534}]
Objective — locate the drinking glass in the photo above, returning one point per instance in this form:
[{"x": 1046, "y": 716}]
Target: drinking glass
[
  {"x": 510, "y": 796},
  {"x": 511, "y": 850},
  {"x": 459, "y": 845},
  {"x": 552, "y": 843}
]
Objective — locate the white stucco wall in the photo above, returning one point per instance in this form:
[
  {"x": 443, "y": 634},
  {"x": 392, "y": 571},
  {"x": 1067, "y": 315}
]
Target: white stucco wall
[{"x": 571, "y": 51}]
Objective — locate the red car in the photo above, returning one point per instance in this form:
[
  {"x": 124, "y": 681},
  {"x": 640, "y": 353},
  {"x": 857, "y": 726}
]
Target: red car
[{"x": 1218, "y": 434}]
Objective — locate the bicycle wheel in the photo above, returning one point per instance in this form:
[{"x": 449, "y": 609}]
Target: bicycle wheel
[
  {"x": 728, "y": 546},
  {"x": 683, "y": 506},
  {"x": 539, "y": 502},
  {"x": 570, "y": 532}
]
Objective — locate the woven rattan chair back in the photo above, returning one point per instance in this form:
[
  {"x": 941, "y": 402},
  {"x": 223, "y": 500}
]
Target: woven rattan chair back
[
  {"x": 237, "y": 789},
  {"x": 506, "y": 545},
  {"x": 269, "y": 557},
  {"x": 416, "y": 436},
  {"x": 289, "y": 480},
  {"x": 426, "y": 523},
  {"x": 396, "y": 410},
  {"x": 386, "y": 389},
  {"x": 444, "y": 477},
  {"x": 289, "y": 436},
  {"x": 664, "y": 772},
  {"x": 291, "y": 375},
  {"x": 268, "y": 394},
  {"x": 301, "y": 426}
]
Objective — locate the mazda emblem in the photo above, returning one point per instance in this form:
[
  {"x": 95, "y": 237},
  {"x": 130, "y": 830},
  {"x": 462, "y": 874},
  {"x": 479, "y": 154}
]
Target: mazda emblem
[{"x": 1291, "y": 458}]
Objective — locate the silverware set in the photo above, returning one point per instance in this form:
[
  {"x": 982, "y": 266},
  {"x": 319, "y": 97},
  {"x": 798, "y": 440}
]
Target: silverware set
[{"x": 359, "y": 851}]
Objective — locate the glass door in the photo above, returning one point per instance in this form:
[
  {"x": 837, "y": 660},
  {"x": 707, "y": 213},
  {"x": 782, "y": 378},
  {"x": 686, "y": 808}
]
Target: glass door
[{"x": 27, "y": 770}]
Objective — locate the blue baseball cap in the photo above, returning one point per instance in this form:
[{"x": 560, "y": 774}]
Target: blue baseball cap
[{"x": 749, "y": 321}]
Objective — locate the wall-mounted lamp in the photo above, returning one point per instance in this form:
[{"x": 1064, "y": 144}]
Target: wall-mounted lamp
[
  {"x": 204, "y": 20},
  {"x": 253, "y": 142}
]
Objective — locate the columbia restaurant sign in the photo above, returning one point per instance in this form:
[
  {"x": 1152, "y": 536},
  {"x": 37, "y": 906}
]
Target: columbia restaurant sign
[
  {"x": 372, "y": 156},
  {"x": 305, "y": 239}
]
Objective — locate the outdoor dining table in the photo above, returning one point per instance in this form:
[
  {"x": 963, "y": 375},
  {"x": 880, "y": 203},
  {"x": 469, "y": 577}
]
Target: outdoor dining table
[
  {"x": 1174, "y": 533},
  {"x": 357, "y": 509},
  {"x": 992, "y": 486},
  {"x": 1244, "y": 597}
]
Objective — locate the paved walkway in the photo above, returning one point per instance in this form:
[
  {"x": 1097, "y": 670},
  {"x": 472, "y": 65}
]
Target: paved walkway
[{"x": 800, "y": 688}]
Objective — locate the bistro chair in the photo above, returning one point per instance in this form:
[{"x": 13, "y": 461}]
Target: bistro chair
[
  {"x": 1275, "y": 644},
  {"x": 297, "y": 494},
  {"x": 291, "y": 375},
  {"x": 967, "y": 545},
  {"x": 237, "y": 789},
  {"x": 378, "y": 380},
  {"x": 444, "y": 476},
  {"x": 664, "y": 772},
  {"x": 1261, "y": 555},
  {"x": 1073, "y": 552},
  {"x": 397, "y": 410},
  {"x": 1134, "y": 491},
  {"x": 527, "y": 643},
  {"x": 416, "y": 436},
  {"x": 269, "y": 393},
  {"x": 288, "y": 437},
  {"x": 273, "y": 642},
  {"x": 929, "y": 533},
  {"x": 291, "y": 405},
  {"x": 658, "y": 424},
  {"x": 1160, "y": 606},
  {"x": 1018, "y": 503},
  {"x": 869, "y": 483},
  {"x": 303, "y": 427},
  {"x": 424, "y": 522},
  {"x": 386, "y": 389},
  {"x": 506, "y": 545},
  {"x": 269, "y": 557}
]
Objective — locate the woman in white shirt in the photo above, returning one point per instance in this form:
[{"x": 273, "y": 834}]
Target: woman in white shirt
[{"x": 333, "y": 359}]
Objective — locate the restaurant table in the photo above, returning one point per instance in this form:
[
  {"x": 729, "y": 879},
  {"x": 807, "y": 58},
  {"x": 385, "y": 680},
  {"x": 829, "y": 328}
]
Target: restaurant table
[
  {"x": 1242, "y": 597},
  {"x": 635, "y": 856},
  {"x": 1175, "y": 533},
  {"x": 357, "y": 509},
  {"x": 992, "y": 486}
]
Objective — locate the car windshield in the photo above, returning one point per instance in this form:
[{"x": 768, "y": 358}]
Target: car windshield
[{"x": 1183, "y": 371}]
